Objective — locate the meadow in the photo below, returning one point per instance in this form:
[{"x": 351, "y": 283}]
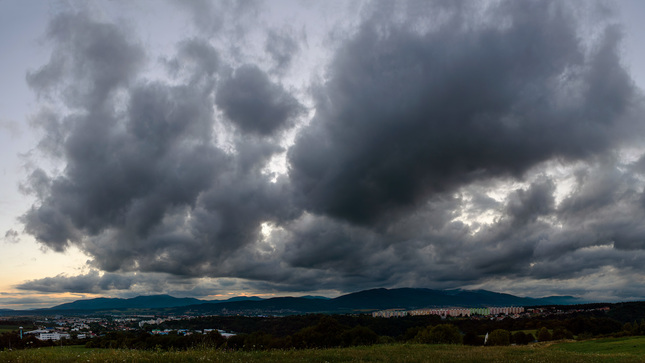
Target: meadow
[
  {"x": 600, "y": 350},
  {"x": 14, "y": 328}
]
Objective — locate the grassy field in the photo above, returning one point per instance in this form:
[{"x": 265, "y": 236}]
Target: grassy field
[
  {"x": 606, "y": 350},
  {"x": 10, "y": 328},
  {"x": 619, "y": 347}
]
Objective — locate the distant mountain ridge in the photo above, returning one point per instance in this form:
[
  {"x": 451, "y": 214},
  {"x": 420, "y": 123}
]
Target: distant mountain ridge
[
  {"x": 375, "y": 299},
  {"x": 315, "y": 297},
  {"x": 416, "y": 298},
  {"x": 141, "y": 302},
  {"x": 362, "y": 301}
]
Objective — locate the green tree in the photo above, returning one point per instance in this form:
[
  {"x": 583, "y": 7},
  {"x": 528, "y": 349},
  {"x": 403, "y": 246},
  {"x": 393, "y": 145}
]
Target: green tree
[
  {"x": 543, "y": 335},
  {"x": 560, "y": 333},
  {"x": 411, "y": 333},
  {"x": 424, "y": 336},
  {"x": 521, "y": 338},
  {"x": 499, "y": 337},
  {"x": 440, "y": 334},
  {"x": 627, "y": 328},
  {"x": 325, "y": 334}
]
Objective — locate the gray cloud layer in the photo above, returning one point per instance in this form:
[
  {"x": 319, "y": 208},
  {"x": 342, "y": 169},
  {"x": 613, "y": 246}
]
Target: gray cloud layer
[
  {"x": 255, "y": 104},
  {"x": 88, "y": 283},
  {"x": 406, "y": 115},
  {"x": 423, "y": 116}
]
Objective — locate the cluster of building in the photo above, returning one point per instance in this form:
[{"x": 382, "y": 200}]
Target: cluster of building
[
  {"x": 151, "y": 322},
  {"x": 453, "y": 312},
  {"x": 185, "y": 332},
  {"x": 61, "y": 327},
  {"x": 48, "y": 334}
]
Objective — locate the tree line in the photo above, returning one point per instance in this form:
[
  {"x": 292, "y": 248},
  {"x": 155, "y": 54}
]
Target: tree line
[
  {"x": 324, "y": 331},
  {"x": 328, "y": 331}
]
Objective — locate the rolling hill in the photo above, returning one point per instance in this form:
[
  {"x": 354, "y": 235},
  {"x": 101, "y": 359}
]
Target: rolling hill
[
  {"x": 362, "y": 301},
  {"x": 375, "y": 299}
]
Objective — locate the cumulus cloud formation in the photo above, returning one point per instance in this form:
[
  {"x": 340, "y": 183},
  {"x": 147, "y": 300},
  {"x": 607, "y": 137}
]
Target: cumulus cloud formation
[
  {"x": 405, "y": 114},
  {"x": 452, "y": 144},
  {"x": 91, "y": 282},
  {"x": 89, "y": 62},
  {"x": 255, "y": 104}
]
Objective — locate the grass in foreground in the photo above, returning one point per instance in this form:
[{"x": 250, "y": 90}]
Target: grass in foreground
[
  {"x": 606, "y": 350},
  {"x": 628, "y": 346}
]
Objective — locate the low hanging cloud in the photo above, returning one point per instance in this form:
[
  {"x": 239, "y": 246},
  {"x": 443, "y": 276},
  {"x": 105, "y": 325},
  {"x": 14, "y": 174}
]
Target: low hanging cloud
[
  {"x": 453, "y": 144},
  {"x": 91, "y": 282}
]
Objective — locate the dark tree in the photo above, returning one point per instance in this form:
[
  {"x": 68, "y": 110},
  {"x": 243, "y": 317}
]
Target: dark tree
[
  {"x": 543, "y": 335},
  {"x": 359, "y": 335},
  {"x": 471, "y": 338},
  {"x": 499, "y": 337},
  {"x": 440, "y": 334},
  {"x": 560, "y": 333}
]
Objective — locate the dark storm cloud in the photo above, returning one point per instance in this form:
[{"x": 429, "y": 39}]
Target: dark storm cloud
[
  {"x": 32, "y": 302},
  {"x": 255, "y": 104},
  {"x": 145, "y": 185},
  {"x": 91, "y": 282},
  {"x": 198, "y": 57},
  {"x": 605, "y": 207},
  {"x": 429, "y": 248},
  {"x": 89, "y": 62},
  {"x": 225, "y": 220},
  {"x": 538, "y": 200},
  {"x": 434, "y": 158},
  {"x": 128, "y": 177},
  {"x": 125, "y": 284},
  {"x": 321, "y": 243},
  {"x": 594, "y": 226},
  {"x": 407, "y": 114}
]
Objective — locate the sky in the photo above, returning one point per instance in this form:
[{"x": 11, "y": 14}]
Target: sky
[{"x": 221, "y": 148}]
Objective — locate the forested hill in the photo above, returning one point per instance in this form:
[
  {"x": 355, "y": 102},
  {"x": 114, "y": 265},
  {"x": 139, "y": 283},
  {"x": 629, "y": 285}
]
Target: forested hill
[
  {"x": 409, "y": 298},
  {"x": 139, "y": 302},
  {"x": 376, "y": 299},
  {"x": 363, "y": 301}
]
